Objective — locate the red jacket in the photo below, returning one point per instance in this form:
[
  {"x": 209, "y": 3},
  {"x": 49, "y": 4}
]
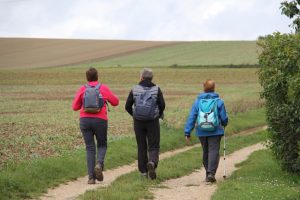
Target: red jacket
[{"x": 107, "y": 96}]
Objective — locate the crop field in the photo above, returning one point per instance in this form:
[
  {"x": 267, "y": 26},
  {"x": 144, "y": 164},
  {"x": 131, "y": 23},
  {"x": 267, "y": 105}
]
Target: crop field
[
  {"x": 36, "y": 118},
  {"x": 37, "y": 53},
  {"x": 29, "y": 53}
]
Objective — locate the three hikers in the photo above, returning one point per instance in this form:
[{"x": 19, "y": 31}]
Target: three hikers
[
  {"x": 209, "y": 115},
  {"x": 91, "y": 99},
  {"x": 145, "y": 103}
]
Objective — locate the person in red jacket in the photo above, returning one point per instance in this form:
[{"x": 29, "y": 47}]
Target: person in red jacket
[{"x": 94, "y": 124}]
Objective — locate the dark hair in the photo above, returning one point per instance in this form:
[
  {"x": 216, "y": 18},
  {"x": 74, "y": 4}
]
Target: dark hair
[
  {"x": 209, "y": 85},
  {"x": 92, "y": 74}
]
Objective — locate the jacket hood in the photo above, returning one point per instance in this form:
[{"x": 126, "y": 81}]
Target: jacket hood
[
  {"x": 208, "y": 95},
  {"x": 146, "y": 83},
  {"x": 93, "y": 83}
]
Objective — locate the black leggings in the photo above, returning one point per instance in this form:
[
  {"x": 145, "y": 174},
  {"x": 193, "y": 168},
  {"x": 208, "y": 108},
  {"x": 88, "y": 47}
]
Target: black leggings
[{"x": 147, "y": 135}]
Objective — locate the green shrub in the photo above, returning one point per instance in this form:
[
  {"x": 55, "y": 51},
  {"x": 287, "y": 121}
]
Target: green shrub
[{"x": 280, "y": 78}]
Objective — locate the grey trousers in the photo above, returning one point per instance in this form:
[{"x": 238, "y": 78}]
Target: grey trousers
[
  {"x": 91, "y": 128},
  {"x": 211, "y": 155}
]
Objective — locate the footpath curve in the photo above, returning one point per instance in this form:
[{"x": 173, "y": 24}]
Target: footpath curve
[
  {"x": 72, "y": 189},
  {"x": 193, "y": 187}
]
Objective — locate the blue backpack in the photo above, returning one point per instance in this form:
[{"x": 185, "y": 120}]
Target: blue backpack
[
  {"x": 92, "y": 99},
  {"x": 208, "y": 116}
]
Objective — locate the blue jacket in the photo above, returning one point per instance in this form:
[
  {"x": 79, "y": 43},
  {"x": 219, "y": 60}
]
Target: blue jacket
[{"x": 190, "y": 124}]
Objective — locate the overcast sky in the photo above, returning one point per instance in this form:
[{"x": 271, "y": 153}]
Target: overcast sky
[{"x": 142, "y": 19}]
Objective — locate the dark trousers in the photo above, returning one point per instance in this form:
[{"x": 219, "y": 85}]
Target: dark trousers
[
  {"x": 147, "y": 135},
  {"x": 211, "y": 155},
  {"x": 91, "y": 127}
]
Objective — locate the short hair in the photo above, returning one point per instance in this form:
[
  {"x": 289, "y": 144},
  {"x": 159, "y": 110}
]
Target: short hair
[
  {"x": 209, "y": 85},
  {"x": 92, "y": 74},
  {"x": 147, "y": 74}
]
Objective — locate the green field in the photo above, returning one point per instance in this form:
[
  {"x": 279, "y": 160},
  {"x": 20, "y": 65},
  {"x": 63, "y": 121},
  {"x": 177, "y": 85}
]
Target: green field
[
  {"x": 205, "y": 53},
  {"x": 36, "y": 119},
  {"x": 39, "y": 130}
]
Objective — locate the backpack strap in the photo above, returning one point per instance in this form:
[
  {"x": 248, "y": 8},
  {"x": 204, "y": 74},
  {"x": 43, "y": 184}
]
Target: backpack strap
[
  {"x": 98, "y": 86},
  {"x": 213, "y": 99}
]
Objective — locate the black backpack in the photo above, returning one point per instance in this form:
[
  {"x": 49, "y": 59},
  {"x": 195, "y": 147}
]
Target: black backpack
[{"x": 92, "y": 99}]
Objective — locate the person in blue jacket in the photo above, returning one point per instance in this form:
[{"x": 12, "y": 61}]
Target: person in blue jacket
[{"x": 210, "y": 140}]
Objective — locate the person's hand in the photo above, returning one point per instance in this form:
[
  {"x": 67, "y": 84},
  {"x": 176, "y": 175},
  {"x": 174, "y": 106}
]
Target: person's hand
[
  {"x": 188, "y": 140},
  {"x": 162, "y": 116}
]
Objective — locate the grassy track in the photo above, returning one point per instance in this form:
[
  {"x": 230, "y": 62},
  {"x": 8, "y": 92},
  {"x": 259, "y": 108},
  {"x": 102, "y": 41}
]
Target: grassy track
[
  {"x": 30, "y": 178},
  {"x": 176, "y": 166},
  {"x": 259, "y": 177}
]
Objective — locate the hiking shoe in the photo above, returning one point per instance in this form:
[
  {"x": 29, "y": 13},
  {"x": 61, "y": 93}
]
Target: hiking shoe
[
  {"x": 206, "y": 179},
  {"x": 211, "y": 178},
  {"x": 144, "y": 175},
  {"x": 151, "y": 170},
  {"x": 98, "y": 171},
  {"x": 91, "y": 181}
]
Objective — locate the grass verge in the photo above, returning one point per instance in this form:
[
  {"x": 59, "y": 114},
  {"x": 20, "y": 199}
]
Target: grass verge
[
  {"x": 189, "y": 161},
  {"x": 31, "y": 178},
  {"x": 259, "y": 177}
]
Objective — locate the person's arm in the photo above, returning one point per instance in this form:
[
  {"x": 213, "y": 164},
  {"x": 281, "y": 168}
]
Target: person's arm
[
  {"x": 111, "y": 97},
  {"x": 129, "y": 103},
  {"x": 77, "y": 102},
  {"x": 223, "y": 114},
  {"x": 160, "y": 103},
  {"x": 190, "y": 124}
]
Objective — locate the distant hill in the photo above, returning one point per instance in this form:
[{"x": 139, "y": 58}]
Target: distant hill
[
  {"x": 36, "y": 53},
  {"x": 31, "y": 53},
  {"x": 204, "y": 53}
]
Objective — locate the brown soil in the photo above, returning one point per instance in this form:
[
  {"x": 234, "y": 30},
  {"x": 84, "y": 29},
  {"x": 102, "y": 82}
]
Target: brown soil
[{"x": 30, "y": 53}]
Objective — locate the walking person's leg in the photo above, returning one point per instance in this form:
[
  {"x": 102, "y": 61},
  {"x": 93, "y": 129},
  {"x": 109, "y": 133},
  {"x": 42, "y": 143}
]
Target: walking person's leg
[
  {"x": 88, "y": 136},
  {"x": 140, "y": 135},
  {"x": 213, "y": 155},
  {"x": 153, "y": 137},
  {"x": 100, "y": 128},
  {"x": 204, "y": 144}
]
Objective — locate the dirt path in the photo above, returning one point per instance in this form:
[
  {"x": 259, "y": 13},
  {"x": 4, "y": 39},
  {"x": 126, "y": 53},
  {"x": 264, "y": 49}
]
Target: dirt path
[
  {"x": 193, "y": 187},
  {"x": 250, "y": 130},
  {"x": 73, "y": 189}
]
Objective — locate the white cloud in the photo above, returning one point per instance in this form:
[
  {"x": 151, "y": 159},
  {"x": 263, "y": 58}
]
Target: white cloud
[{"x": 142, "y": 20}]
